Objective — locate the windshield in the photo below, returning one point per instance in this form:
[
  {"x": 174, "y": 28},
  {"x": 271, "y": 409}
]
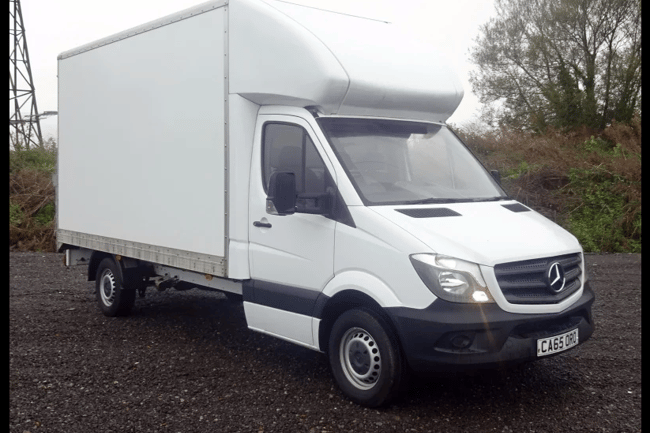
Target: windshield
[{"x": 399, "y": 162}]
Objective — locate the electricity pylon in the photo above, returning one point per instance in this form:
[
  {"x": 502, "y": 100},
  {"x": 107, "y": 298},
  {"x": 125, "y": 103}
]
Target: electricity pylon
[{"x": 23, "y": 130}]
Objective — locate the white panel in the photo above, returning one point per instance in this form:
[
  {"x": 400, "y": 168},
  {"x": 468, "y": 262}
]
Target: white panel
[
  {"x": 486, "y": 233},
  {"x": 292, "y": 327},
  {"x": 288, "y": 54},
  {"x": 274, "y": 60},
  {"x": 141, "y": 137},
  {"x": 373, "y": 258},
  {"x": 241, "y": 133},
  {"x": 178, "y": 16},
  {"x": 391, "y": 74}
]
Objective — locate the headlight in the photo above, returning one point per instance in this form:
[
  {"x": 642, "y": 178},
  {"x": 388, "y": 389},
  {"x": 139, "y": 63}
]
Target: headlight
[{"x": 451, "y": 279}]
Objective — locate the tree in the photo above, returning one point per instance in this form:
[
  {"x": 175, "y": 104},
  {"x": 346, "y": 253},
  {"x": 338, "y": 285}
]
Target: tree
[{"x": 559, "y": 62}]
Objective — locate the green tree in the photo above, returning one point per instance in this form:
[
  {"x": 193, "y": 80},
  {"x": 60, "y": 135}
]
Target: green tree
[{"x": 559, "y": 62}]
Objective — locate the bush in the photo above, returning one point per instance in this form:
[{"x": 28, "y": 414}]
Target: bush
[
  {"x": 31, "y": 199},
  {"x": 16, "y": 214},
  {"x": 587, "y": 181},
  {"x": 38, "y": 158},
  {"x": 45, "y": 215},
  {"x": 605, "y": 219},
  {"x": 608, "y": 217}
]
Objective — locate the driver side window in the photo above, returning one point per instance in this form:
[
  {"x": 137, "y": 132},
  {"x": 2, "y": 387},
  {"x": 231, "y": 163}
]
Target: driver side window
[{"x": 288, "y": 147}]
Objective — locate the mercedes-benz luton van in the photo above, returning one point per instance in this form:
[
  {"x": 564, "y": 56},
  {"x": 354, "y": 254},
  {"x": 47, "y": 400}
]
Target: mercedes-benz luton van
[{"x": 299, "y": 158}]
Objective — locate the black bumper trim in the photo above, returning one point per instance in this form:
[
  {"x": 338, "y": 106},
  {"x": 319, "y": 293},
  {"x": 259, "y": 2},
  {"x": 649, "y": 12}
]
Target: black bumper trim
[{"x": 497, "y": 337}]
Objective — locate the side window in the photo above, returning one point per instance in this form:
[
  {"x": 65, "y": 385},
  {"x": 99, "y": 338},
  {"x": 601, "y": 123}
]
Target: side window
[{"x": 287, "y": 147}]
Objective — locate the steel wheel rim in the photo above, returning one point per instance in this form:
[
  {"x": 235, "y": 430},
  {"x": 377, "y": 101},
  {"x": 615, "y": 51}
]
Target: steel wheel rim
[
  {"x": 107, "y": 287},
  {"x": 360, "y": 358}
]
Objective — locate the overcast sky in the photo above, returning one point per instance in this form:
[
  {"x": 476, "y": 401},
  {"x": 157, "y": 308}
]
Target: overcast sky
[{"x": 52, "y": 27}]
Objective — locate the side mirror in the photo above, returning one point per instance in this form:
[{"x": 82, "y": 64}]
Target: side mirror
[
  {"x": 496, "y": 175},
  {"x": 281, "y": 199}
]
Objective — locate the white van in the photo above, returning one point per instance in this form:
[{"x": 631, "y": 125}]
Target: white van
[{"x": 299, "y": 158}]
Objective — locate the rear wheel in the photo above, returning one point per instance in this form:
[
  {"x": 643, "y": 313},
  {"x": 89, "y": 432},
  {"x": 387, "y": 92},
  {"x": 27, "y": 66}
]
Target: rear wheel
[
  {"x": 113, "y": 299},
  {"x": 365, "y": 358}
]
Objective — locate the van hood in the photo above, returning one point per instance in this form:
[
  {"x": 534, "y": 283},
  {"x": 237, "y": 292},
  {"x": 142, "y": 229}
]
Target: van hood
[{"x": 486, "y": 233}]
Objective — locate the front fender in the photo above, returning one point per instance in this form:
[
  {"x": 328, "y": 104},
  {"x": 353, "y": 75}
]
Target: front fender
[{"x": 365, "y": 283}]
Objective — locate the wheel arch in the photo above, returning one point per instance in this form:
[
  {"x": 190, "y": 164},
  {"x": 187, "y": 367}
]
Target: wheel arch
[
  {"x": 95, "y": 259},
  {"x": 340, "y": 303},
  {"x": 349, "y": 289},
  {"x": 132, "y": 271}
]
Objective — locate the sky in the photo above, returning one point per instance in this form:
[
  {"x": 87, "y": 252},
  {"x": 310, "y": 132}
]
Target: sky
[{"x": 52, "y": 27}]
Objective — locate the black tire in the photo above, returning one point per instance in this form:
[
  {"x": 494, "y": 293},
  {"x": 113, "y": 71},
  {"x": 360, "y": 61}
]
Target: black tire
[
  {"x": 365, "y": 358},
  {"x": 113, "y": 299}
]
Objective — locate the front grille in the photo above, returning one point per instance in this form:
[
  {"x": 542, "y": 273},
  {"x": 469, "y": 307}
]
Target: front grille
[{"x": 525, "y": 282}]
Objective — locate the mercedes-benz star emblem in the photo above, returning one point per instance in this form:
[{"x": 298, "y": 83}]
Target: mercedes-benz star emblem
[{"x": 555, "y": 277}]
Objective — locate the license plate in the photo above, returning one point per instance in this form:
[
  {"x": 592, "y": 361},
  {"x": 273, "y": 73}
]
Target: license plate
[{"x": 558, "y": 343}]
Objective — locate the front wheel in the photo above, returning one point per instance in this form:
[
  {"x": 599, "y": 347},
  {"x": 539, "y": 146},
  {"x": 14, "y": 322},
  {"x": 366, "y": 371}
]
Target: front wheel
[
  {"x": 113, "y": 299},
  {"x": 365, "y": 358}
]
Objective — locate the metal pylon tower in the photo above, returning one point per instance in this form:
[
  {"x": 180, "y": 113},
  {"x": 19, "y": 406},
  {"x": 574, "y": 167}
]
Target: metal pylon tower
[{"x": 24, "y": 130}]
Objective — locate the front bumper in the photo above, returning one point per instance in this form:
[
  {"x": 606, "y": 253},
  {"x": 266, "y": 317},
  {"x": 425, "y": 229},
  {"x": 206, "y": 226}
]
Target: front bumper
[{"x": 451, "y": 336}]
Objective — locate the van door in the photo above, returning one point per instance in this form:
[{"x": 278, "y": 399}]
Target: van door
[{"x": 291, "y": 256}]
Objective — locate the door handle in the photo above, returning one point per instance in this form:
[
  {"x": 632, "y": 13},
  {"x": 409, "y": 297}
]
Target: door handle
[{"x": 261, "y": 224}]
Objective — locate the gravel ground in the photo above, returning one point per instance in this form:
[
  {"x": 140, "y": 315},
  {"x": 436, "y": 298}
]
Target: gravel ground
[{"x": 185, "y": 362}]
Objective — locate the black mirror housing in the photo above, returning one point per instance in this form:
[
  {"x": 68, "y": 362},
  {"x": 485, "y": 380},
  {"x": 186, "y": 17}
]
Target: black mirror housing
[{"x": 281, "y": 199}]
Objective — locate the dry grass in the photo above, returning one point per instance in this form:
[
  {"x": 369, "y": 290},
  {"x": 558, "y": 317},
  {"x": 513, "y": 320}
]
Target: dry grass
[{"x": 30, "y": 191}]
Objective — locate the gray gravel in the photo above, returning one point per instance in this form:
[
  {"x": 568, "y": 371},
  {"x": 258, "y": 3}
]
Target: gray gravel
[{"x": 185, "y": 362}]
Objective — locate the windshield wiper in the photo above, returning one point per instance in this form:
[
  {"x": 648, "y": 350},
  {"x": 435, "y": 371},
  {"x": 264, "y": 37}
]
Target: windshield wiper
[
  {"x": 433, "y": 200},
  {"x": 436, "y": 201},
  {"x": 491, "y": 199}
]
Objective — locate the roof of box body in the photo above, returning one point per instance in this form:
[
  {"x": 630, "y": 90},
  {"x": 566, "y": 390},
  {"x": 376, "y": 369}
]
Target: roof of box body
[
  {"x": 344, "y": 65},
  {"x": 287, "y": 54}
]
